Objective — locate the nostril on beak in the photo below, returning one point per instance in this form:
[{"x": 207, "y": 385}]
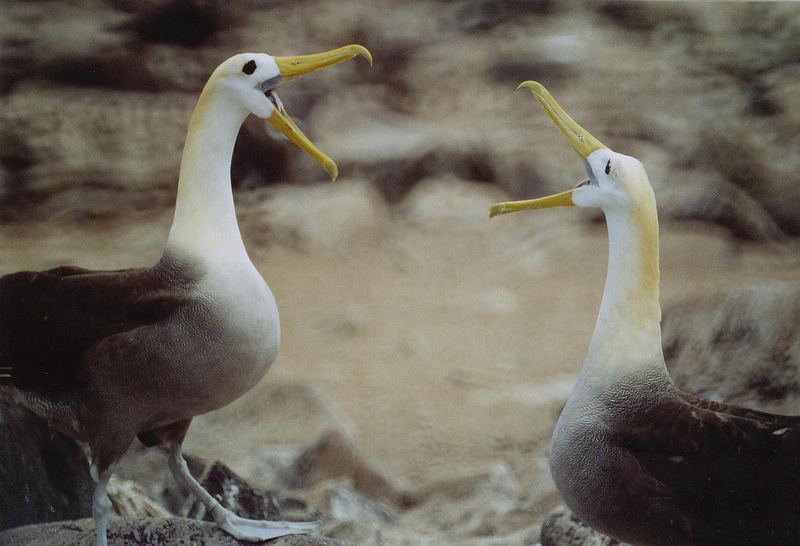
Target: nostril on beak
[{"x": 587, "y": 182}]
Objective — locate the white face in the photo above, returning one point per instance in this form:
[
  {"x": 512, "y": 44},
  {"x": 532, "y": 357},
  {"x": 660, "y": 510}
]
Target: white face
[
  {"x": 615, "y": 181},
  {"x": 250, "y": 78}
]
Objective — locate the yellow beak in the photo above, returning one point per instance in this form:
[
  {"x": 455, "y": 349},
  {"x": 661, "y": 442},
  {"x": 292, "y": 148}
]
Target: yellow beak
[
  {"x": 298, "y": 65},
  {"x": 583, "y": 142},
  {"x": 303, "y": 64},
  {"x": 563, "y": 199}
]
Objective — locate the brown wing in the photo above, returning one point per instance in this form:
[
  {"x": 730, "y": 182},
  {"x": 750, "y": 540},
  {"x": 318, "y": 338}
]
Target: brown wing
[
  {"x": 733, "y": 474},
  {"x": 49, "y": 319}
]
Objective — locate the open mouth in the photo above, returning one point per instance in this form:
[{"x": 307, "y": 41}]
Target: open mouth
[
  {"x": 282, "y": 121},
  {"x": 272, "y": 98},
  {"x": 269, "y": 86},
  {"x": 290, "y": 68}
]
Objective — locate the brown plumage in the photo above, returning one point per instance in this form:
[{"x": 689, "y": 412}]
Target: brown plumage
[
  {"x": 58, "y": 326},
  {"x": 648, "y": 464}
]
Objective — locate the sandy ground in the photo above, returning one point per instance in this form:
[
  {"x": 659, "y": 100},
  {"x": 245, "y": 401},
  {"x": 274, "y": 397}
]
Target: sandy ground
[{"x": 445, "y": 343}]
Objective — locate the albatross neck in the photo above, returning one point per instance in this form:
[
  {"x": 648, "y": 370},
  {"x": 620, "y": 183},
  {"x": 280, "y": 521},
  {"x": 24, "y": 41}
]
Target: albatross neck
[
  {"x": 627, "y": 335},
  {"x": 205, "y": 225}
]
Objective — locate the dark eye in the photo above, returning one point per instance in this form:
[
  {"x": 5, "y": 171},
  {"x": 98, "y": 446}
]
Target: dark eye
[
  {"x": 250, "y": 67},
  {"x": 608, "y": 167}
]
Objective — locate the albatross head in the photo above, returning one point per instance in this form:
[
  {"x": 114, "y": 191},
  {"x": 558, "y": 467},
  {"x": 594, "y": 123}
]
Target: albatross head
[
  {"x": 616, "y": 183},
  {"x": 627, "y": 336},
  {"x": 250, "y": 80}
]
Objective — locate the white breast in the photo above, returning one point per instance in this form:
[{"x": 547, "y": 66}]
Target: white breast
[{"x": 241, "y": 335}]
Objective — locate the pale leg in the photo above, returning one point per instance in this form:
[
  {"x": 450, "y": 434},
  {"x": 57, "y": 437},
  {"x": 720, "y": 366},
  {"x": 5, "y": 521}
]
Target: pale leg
[
  {"x": 243, "y": 529},
  {"x": 101, "y": 506}
]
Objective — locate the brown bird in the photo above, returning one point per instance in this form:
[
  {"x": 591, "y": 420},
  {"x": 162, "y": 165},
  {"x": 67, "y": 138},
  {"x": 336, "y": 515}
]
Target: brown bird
[
  {"x": 632, "y": 455},
  {"x": 108, "y": 356}
]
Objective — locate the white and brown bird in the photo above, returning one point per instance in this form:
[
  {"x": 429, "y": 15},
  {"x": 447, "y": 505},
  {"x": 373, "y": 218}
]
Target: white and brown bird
[
  {"x": 108, "y": 356},
  {"x": 632, "y": 455}
]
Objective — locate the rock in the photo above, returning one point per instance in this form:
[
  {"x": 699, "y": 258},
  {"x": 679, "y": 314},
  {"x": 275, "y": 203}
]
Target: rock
[
  {"x": 182, "y": 22},
  {"x": 481, "y": 15},
  {"x": 741, "y": 347},
  {"x": 234, "y": 494},
  {"x": 769, "y": 31},
  {"x": 480, "y": 505},
  {"x": 451, "y": 203},
  {"x": 710, "y": 198},
  {"x": 3, "y": 182},
  {"x": 148, "y": 469},
  {"x": 142, "y": 532},
  {"x": 734, "y": 153},
  {"x": 356, "y": 517},
  {"x": 247, "y": 501},
  {"x": 347, "y": 504},
  {"x": 44, "y": 475},
  {"x": 782, "y": 91},
  {"x": 321, "y": 219},
  {"x": 273, "y": 424},
  {"x": 129, "y": 500},
  {"x": 562, "y": 528},
  {"x": 335, "y": 455},
  {"x": 638, "y": 16},
  {"x": 396, "y": 178},
  {"x": 395, "y": 157},
  {"x": 83, "y": 154},
  {"x": 259, "y": 159},
  {"x": 36, "y": 40}
]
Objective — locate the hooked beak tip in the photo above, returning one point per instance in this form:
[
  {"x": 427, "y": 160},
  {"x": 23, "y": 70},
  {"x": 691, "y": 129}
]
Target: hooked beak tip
[
  {"x": 496, "y": 210},
  {"x": 332, "y": 170},
  {"x": 364, "y": 52},
  {"x": 533, "y": 86}
]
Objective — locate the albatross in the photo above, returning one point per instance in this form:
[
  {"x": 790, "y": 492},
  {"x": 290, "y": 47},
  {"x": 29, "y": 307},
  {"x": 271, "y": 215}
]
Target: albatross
[
  {"x": 632, "y": 455},
  {"x": 108, "y": 356}
]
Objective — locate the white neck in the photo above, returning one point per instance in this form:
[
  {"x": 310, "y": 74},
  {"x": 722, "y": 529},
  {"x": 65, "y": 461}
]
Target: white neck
[
  {"x": 627, "y": 335},
  {"x": 205, "y": 219}
]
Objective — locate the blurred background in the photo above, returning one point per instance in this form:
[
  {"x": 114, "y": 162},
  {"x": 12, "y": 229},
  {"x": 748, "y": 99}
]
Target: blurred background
[{"x": 426, "y": 351}]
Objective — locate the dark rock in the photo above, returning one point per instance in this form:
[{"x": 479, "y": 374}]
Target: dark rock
[
  {"x": 15, "y": 153},
  {"x": 35, "y": 38},
  {"x": 643, "y": 16},
  {"x": 44, "y": 475},
  {"x": 235, "y": 494},
  {"x": 734, "y": 154},
  {"x": 515, "y": 71},
  {"x": 247, "y": 501},
  {"x": 562, "y": 528},
  {"x": 741, "y": 347},
  {"x": 710, "y": 198},
  {"x": 761, "y": 104},
  {"x": 110, "y": 69},
  {"x": 142, "y": 532},
  {"x": 184, "y": 22},
  {"x": 770, "y": 31},
  {"x": 71, "y": 157},
  {"x": 479, "y": 15},
  {"x": 395, "y": 178},
  {"x": 258, "y": 159},
  {"x": 393, "y": 73}
]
